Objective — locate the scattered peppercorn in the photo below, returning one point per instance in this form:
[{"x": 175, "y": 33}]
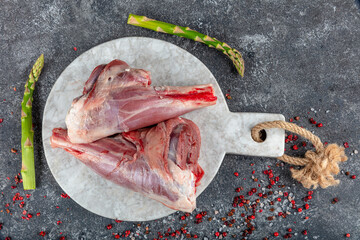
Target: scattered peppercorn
[
  {"x": 335, "y": 200},
  {"x": 276, "y": 234},
  {"x": 347, "y": 235},
  {"x": 304, "y": 232},
  {"x": 288, "y": 235},
  {"x": 353, "y": 176}
]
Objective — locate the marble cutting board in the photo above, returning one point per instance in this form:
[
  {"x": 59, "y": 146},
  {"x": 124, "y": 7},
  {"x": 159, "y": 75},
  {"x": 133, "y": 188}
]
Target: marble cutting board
[{"x": 222, "y": 131}]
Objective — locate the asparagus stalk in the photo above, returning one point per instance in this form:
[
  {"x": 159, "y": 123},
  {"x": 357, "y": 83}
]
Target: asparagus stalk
[
  {"x": 186, "y": 32},
  {"x": 27, "y": 132}
]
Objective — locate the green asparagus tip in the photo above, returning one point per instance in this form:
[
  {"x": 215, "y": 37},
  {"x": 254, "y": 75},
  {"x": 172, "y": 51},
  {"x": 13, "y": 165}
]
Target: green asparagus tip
[
  {"x": 186, "y": 32},
  {"x": 27, "y": 132}
]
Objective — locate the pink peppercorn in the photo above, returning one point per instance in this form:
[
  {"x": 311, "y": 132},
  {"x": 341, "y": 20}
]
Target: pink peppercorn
[
  {"x": 276, "y": 234},
  {"x": 307, "y": 206},
  {"x": 236, "y": 174},
  {"x": 299, "y": 209}
]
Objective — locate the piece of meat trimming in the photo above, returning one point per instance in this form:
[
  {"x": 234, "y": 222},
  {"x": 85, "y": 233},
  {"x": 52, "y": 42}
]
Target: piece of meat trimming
[
  {"x": 117, "y": 98},
  {"x": 161, "y": 162}
]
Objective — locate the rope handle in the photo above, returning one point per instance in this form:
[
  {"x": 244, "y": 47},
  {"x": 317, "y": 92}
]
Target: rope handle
[{"x": 319, "y": 166}]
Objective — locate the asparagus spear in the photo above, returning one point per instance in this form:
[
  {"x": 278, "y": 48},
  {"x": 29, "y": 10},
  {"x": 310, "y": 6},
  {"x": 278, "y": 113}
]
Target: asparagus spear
[
  {"x": 27, "y": 132},
  {"x": 186, "y": 32}
]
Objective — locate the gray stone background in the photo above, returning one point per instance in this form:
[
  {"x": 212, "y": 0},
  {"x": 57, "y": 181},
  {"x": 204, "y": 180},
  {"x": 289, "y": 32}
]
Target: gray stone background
[{"x": 302, "y": 59}]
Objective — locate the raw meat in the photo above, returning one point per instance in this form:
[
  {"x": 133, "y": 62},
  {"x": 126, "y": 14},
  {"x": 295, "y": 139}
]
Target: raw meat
[
  {"x": 117, "y": 98},
  {"x": 160, "y": 162}
]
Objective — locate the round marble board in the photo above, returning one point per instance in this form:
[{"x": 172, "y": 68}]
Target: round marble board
[{"x": 221, "y": 130}]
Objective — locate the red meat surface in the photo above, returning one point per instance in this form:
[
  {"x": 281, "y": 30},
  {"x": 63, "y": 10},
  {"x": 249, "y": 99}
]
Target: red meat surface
[
  {"x": 161, "y": 162},
  {"x": 117, "y": 98}
]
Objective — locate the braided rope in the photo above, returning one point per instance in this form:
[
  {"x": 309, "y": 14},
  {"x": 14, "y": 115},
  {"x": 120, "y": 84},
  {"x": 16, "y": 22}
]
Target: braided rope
[{"x": 319, "y": 166}]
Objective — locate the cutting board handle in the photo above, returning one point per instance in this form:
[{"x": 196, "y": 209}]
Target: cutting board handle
[{"x": 237, "y": 135}]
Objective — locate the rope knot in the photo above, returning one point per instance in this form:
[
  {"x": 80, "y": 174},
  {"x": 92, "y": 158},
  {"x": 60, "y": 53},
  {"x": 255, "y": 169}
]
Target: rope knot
[{"x": 320, "y": 167}]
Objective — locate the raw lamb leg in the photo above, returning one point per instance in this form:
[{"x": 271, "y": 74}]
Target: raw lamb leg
[
  {"x": 160, "y": 162},
  {"x": 117, "y": 98}
]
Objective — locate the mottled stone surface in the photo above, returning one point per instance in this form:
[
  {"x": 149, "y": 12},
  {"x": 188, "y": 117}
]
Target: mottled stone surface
[
  {"x": 302, "y": 59},
  {"x": 221, "y": 131}
]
